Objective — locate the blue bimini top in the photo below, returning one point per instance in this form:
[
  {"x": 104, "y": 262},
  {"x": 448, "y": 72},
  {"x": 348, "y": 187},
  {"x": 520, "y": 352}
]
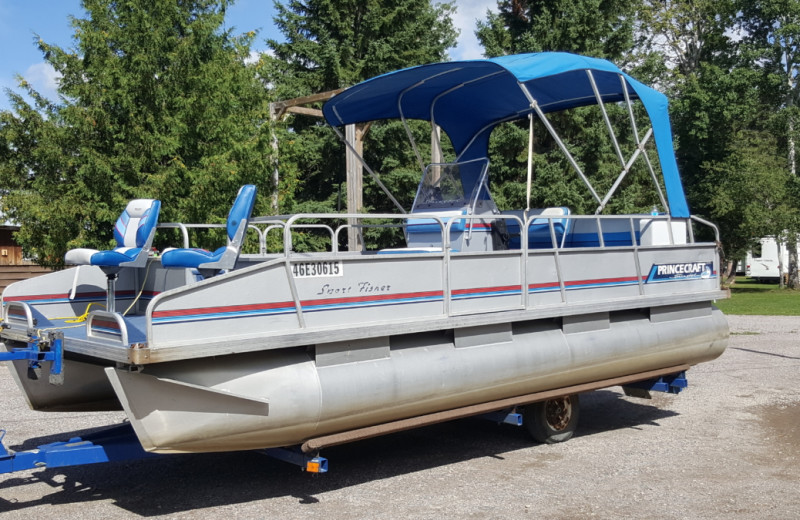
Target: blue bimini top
[{"x": 467, "y": 99}]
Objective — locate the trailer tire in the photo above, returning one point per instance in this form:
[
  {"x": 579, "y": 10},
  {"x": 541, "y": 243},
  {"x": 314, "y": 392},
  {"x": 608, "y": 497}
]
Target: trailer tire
[{"x": 553, "y": 420}]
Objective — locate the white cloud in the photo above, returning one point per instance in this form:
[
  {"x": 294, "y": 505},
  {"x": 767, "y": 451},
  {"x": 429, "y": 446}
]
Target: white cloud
[
  {"x": 467, "y": 14},
  {"x": 253, "y": 57},
  {"x": 44, "y": 79}
]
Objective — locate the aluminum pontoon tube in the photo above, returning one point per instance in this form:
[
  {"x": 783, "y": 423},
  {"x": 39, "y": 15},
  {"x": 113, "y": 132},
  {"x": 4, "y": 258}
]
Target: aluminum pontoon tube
[
  {"x": 85, "y": 388},
  {"x": 284, "y": 397},
  {"x": 318, "y": 443}
]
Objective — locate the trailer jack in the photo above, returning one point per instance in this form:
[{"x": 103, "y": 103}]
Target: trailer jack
[{"x": 41, "y": 350}]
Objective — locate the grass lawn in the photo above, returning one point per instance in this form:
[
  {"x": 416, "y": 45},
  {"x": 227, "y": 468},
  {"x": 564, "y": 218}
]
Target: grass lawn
[{"x": 750, "y": 297}]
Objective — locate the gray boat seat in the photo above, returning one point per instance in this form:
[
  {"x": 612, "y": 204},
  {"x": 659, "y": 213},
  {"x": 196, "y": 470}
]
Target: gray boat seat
[
  {"x": 133, "y": 232},
  {"x": 210, "y": 263}
]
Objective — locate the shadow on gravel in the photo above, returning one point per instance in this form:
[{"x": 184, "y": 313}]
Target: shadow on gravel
[
  {"x": 175, "y": 484},
  {"x": 763, "y": 352}
]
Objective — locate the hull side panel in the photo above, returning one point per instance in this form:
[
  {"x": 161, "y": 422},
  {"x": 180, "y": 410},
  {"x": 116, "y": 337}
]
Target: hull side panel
[{"x": 423, "y": 373}]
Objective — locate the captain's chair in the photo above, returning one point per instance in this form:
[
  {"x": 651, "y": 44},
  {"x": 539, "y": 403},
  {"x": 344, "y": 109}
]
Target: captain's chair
[
  {"x": 133, "y": 231},
  {"x": 210, "y": 263}
]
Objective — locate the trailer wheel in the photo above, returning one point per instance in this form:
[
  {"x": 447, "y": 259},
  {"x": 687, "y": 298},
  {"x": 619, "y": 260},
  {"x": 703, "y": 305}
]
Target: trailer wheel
[{"x": 553, "y": 420}]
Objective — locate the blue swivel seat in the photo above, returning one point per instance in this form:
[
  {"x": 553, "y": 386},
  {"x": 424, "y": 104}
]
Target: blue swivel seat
[
  {"x": 133, "y": 231},
  {"x": 211, "y": 263}
]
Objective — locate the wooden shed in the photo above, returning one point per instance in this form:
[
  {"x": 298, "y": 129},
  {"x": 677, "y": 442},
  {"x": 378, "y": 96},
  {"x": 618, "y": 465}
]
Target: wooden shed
[{"x": 13, "y": 266}]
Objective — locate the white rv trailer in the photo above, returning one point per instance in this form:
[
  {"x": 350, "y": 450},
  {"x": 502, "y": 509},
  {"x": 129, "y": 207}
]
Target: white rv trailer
[{"x": 769, "y": 261}]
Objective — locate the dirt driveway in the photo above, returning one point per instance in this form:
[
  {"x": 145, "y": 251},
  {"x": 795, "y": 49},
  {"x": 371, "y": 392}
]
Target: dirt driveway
[{"x": 727, "y": 447}]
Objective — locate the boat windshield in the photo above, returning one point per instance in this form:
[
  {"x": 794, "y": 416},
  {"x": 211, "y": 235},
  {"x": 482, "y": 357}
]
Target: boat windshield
[{"x": 441, "y": 185}]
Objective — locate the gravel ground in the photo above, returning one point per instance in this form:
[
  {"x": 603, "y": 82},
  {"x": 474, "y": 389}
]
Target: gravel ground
[{"x": 727, "y": 447}]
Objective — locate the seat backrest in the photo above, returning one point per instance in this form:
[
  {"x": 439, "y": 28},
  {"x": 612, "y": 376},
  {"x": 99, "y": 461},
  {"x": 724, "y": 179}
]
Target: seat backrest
[
  {"x": 239, "y": 215},
  {"x": 136, "y": 224},
  {"x": 212, "y": 263}
]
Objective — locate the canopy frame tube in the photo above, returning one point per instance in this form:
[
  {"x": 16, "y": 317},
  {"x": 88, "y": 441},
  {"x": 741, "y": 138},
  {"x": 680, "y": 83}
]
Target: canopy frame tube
[
  {"x": 635, "y": 131},
  {"x": 559, "y": 142},
  {"x": 626, "y": 166},
  {"x": 405, "y": 121},
  {"x": 602, "y": 106},
  {"x": 455, "y": 79},
  {"x": 625, "y": 169}
]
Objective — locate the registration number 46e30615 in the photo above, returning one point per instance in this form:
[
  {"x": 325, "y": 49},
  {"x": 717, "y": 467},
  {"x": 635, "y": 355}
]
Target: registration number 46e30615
[{"x": 317, "y": 269}]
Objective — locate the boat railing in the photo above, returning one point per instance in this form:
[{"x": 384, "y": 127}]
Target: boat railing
[
  {"x": 705, "y": 223},
  {"x": 561, "y": 230},
  {"x": 563, "y": 246},
  {"x": 556, "y": 236},
  {"x": 633, "y": 233},
  {"x": 279, "y": 223},
  {"x": 359, "y": 222},
  {"x": 184, "y": 229},
  {"x": 597, "y": 230},
  {"x": 262, "y": 226}
]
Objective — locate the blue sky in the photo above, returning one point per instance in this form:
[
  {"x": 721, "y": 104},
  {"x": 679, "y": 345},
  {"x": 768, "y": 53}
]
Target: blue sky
[{"x": 21, "y": 20}]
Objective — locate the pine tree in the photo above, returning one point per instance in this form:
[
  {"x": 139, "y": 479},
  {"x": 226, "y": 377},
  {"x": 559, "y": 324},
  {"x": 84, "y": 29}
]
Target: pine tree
[
  {"x": 332, "y": 44},
  {"x": 599, "y": 28},
  {"x": 156, "y": 100}
]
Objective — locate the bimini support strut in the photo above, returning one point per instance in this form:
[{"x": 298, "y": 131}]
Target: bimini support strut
[
  {"x": 635, "y": 132},
  {"x": 552, "y": 131},
  {"x": 626, "y": 165},
  {"x": 367, "y": 167}
]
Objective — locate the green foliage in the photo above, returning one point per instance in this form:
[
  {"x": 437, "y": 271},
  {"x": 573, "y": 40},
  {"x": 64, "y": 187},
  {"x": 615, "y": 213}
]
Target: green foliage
[
  {"x": 728, "y": 158},
  {"x": 336, "y": 43},
  {"x": 732, "y": 169},
  {"x": 683, "y": 34},
  {"x": 746, "y": 193},
  {"x": 772, "y": 29},
  {"x": 156, "y": 101},
  {"x": 600, "y": 28}
]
